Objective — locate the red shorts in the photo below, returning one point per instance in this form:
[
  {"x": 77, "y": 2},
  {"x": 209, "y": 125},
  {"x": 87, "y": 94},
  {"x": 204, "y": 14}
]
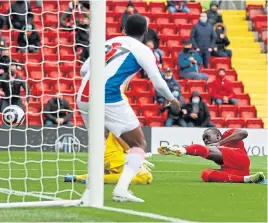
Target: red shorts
[{"x": 235, "y": 161}]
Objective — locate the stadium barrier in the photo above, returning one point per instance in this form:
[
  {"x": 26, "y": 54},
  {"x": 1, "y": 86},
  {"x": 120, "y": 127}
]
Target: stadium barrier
[{"x": 74, "y": 139}]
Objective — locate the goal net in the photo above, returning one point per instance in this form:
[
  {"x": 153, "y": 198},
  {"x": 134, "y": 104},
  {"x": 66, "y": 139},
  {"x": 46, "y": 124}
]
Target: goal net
[{"x": 48, "y": 43}]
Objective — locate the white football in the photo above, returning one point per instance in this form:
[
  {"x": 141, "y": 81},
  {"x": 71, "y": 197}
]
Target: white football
[{"x": 13, "y": 115}]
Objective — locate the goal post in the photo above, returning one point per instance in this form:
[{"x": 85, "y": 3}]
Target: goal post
[{"x": 34, "y": 158}]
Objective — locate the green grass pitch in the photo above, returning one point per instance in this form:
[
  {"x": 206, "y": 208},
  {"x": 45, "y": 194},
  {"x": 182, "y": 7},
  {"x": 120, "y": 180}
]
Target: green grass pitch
[{"x": 177, "y": 190}]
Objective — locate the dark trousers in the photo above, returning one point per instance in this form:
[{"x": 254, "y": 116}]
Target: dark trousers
[
  {"x": 205, "y": 54},
  {"x": 7, "y": 102}
]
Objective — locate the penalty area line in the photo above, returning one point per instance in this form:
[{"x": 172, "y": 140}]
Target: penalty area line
[{"x": 143, "y": 214}]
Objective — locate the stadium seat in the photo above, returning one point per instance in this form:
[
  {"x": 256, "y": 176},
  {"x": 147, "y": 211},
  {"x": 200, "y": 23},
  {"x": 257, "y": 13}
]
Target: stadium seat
[
  {"x": 48, "y": 50},
  {"x": 51, "y": 20},
  {"x": 185, "y": 30},
  {"x": 180, "y": 18},
  {"x": 144, "y": 98},
  {"x": 243, "y": 99},
  {"x": 168, "y": 29},
  {"x": 34, "y": 119},
  {"x": 4, "y": 6},
  {"x": 142, "y": 120},
  {"x": 78, "y": 121},
  {"x": 247, "y": 111},
  {"x": 228, "y": 111},
  {"x": 254, "y": 123},
  {"x": 238, "y": 87},
  {"x": 140, "y": 6},
  {"x": 212, "y": 74},
  {"x": 162, "y": 18},
  {"x": 196, "y": 85},
  {"x": 213, "y": 110},
  {"x": 259, "y": 22},
  {"x": 119, "y": 6},
  {"x": 205, "y": 97},
  {"x": 131, "y": 97},
  {"x": 219, "y": 122},
  {"x": 136, "y": 108},
  {"x": 183, "y": 84},
  {"x": 166, "y": 51},
  {"x": 157, "y": 7},
  {"x": 254, "y": 10},
  {"x": 220, "y": 62},
  {"x": 195, "y": 7},
  {"x": 235, "y": 123},
  {"x": 175, "y": 52},
  {"x": 111, "y": 17},
  {"x": 231, "y": 75},
  {"x": 168, "y": 62},
  {"x": 155, "y": 121},
  {"x": 173, "y": 41},
  {"x": 112, "y": 27},
  {"x": 139, "y": 85},
  {"x": 150, "y": 110},
  {"x": 194, "y": 18}
]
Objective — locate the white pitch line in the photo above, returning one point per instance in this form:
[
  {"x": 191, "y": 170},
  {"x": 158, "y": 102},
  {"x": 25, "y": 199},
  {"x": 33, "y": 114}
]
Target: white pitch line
[{"x": 143, "y": 214}]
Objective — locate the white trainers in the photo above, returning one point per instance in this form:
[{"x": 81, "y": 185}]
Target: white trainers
[
  {"x": 125, "y": 196},
  {"x": 171, "y": 150}
]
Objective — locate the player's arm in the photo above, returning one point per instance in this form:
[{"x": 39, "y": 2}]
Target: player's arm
[
  {"x": 235, "y": 136},
  {"x": 147, "y": 61}
]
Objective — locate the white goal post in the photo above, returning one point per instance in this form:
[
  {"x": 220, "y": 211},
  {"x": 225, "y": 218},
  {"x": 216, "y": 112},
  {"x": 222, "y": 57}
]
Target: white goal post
[{"x": 33, "y": 177}]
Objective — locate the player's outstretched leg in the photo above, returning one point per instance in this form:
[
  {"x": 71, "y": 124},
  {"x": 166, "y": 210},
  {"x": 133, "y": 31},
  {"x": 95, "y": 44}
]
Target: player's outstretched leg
[{"x": 210, "y": 175}]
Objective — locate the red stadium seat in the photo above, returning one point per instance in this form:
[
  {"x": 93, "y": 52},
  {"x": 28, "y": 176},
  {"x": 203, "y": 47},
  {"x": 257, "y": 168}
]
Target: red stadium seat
[
  {"x": 142, "y": 120},
  {"x": 195, "y": 7},
  {"x": 196, "y": 85},
  {"x": 34, "y": 119},
  {"x": 243, "y": 99},
  {"x": 136, "y": 108},
  {"x": 213, "y": 110},
  {"x": 4, "y": 6},
  {"x": 254, "y": 123},
  {"x": 185, "y": 30},
  {"x": 111, "y": 17},
  {"x": 235, "y": 123},
  {"x": 212, "y": 74},
  {"x": 180, "y": 18},
  {"x": 238, "y": 87},
  {"x": 183, "y": 84},
  {"x": 162, "y": 18},
  {"x": 48, "y": 50},
  {"x": 194, "y": 18},
  {"x": 168, "y": 29},
  {"x": 173, "y": 41},
  {"x": 51, "y": 6},
  {"x": 112, "y": 35},
  {"x": 260, "y": 22},
  {"x": 155, "y": 121},
  {"x": 175, "y": 52},
  {"x": 247, "y": 111},
  {"x": 51, "y": 20},
  {"x": 220, "y": 62},
  {"x": 144, "y": 98},
  {"x": 112, "y": 27},
  {"x": 150, "y": 110},
  {"x": 131, "y": 97},
  {"x": 220, "y": 122},
  {"x": 119, "y": 6},
  {"x": 139, "y": 85},
  {"x": 166, "y": 51},
  {"x": 157, "y": 7},
  {"x": 231, "y": 75},
  {"x": 254, "y": 10},
  {"x": 140, "y": 6},
  {"x": 205, "y": 97},
  {"x": 168, "y": 62},
  {"x": 228, "y": 111}
]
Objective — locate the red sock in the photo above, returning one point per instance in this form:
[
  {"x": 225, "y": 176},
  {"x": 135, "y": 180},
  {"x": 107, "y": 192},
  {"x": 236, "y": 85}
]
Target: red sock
[
  {"x": 209, "y": 175},
  {"x": 197, "y": 150}
]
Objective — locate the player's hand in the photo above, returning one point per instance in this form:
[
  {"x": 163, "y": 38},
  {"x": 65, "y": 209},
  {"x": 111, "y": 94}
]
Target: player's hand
[
  {"x": 176, "y": 102},
  {"x": 194, "y": 115}
]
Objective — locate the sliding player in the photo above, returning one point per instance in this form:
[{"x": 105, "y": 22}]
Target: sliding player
[
  {"x": 126, "y": 56},
  {"x": 114, "y": 160},
  {"x": 226, "y": 150}
]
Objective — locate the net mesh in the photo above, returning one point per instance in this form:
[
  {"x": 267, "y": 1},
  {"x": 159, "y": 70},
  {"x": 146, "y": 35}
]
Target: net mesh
[{"x": 35, "y": 157}]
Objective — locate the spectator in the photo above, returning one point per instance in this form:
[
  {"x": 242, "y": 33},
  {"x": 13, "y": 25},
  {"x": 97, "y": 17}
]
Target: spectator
[
  {"x": 130, "y": 10},
  {"x": 74, "y": 15},
  {"x": 158, "y": 56},
  {"x": 175, "y": 113},
  {"x": 5, "y": 60},
  {"x": 203, "y": 38},
  {"x": 172, "y": 84},
  {"x": 20, "y": 14},
  {"x": 189, "y": 63},
  {"x": 213, "y": 14},
  {"x": 82, "y": 36},
  {"x": 11, "y": 84},
  {"x": 29, "y": 40},
  {"x": 222, "y": 90},
  {"x": 222, "y": 41},
  {"x": 178, "y": 6},
  {"x": 2, "y": 21},
  {"x": 58, "y": 111},
  {"x": 197, "y": 113}
]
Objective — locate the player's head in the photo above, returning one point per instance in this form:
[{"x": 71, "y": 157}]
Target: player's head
[
  {"x": 211, "y": 135},
  {"x": 136, "y": 27}
]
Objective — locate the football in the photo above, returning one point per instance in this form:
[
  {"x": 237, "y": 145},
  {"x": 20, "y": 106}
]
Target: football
[{"x": 13, "y": 116}]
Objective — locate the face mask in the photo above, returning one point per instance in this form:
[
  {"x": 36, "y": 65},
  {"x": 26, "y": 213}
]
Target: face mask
[
  {"x": 186, "y": 50},
  {"x": 196, "y": 100},
  {"x": 168, "y": 77},
  {"x": 222, "y": 76},
  {"x": 203, "y": 19},
  {"x": 12, "y": 72},
  {"x": 176, "y": 94}
]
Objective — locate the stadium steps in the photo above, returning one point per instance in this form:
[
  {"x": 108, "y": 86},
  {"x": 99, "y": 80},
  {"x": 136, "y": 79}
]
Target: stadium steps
[{"x": 247, "y": 59}]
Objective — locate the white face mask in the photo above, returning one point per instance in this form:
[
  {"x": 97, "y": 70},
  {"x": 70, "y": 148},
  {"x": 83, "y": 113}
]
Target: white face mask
[
  {"x": 196, "y": 100},
  {"x": 168, "y": 77},
  {"x": 203, "y": 19}
]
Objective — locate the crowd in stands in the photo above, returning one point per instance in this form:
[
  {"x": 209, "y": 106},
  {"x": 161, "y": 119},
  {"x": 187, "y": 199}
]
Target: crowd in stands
[{"x": 207, "y": 38}]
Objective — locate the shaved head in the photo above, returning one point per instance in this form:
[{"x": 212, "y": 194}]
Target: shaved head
[{"x": 211, "y": 135}]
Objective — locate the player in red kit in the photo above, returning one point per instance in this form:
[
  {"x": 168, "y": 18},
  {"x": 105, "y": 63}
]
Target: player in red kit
[{"x": 227, "y": 150}]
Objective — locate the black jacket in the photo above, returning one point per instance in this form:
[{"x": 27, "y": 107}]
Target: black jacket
[
  {"x": 21, "y": 7},
  {"x": 221, "y": 43},
  {"x": 152, "y": 35},
  {"x": 213, "y": 16},
  {"x": 203, "y": 36},
  {"x": 174, "y": 111},
  {"x": 82, "y": 35},
  {"x": 203, "y": 114},
  {"x": 6, "y": 84},
  {"x": 58, "y": 109},
  {"x": 33, "y": 39},
  {"x": 5, "y": 61}
]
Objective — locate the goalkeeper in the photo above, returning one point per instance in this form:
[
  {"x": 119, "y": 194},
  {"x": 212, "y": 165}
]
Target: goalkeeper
[{"x": 114, "y": 160}]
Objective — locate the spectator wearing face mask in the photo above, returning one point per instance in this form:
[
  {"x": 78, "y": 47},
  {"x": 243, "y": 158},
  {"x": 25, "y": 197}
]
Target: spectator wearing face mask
[
  {"x": 203, "y": 39},
  {"x": 196, "y": 113},
  {"x": 172, "y": 84},
  {"x": 178, "y": 6},
  {"x": 222, "y": 42},
  {"x": 189, "y": 62},
  {"x": 222, "y": 90},
  {"x": 58, "y": 111},
  {"x": 213, "y": 14},
  {"x": 82, "y": 38},
  {"x": 175, "y": 113},
  {"x": 157, "y": 55},
  {"x": 130, "y": 10},
  {"x": 11, "y": 84},
  {"x": 29, "y": 40}
]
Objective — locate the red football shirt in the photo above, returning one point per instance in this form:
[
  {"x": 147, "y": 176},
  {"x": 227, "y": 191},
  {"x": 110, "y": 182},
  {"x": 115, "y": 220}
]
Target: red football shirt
[{"x": 239, "y": 144}]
